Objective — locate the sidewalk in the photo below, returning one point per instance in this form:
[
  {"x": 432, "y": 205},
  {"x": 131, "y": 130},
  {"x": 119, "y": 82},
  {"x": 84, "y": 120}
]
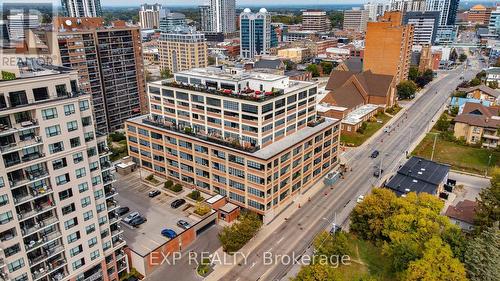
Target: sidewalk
[{"x": 266, "y": 231}]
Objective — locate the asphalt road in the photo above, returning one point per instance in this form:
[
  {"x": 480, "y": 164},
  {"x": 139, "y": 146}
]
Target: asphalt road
[{"x": 295, "y": 236}]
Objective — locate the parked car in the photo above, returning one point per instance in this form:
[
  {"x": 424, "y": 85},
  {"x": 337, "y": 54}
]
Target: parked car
[
  {"x": 154, "y": 193},
  {"x": 131, "y": 216},
  {"x": 375, "y": 153},
  {"x": 122, "y": 210},
  {"x": 378, "y": 172},
  {"x": 177, "y": 203},
  {"x": 138, "y": 221},
  {"x": 387, "y": 129},
  {"x": 169, "y": 233},
  {"x": 360, "y": 199},
  {"x": 335, "y": 228},
  {"x": 183, "y": 224}
]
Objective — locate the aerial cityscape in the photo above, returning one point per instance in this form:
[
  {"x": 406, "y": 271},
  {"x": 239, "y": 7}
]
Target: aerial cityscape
[{"x": 249, "y": 140}]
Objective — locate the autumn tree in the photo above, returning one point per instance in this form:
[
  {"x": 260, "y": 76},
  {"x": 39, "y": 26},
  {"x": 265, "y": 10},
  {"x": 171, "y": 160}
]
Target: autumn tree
[
  {"x": 437, "y": 263},
  {"x": 317, "y": 272},
  {"x": 326, "y": 244}
]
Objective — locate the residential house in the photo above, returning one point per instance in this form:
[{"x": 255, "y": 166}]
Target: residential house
[
  {"x": 463, "y": 214},
  {"x": 493, "y": 74},
  {"x": 478, "y": 124},
  {"x": 482, "y": 92},
  {"x": 419, "y": 175}
]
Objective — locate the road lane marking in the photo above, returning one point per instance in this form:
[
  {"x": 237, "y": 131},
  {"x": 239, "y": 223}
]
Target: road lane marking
[{"x": 281, "y": 239}]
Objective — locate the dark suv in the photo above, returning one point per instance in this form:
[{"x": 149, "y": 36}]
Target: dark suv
[
  {"x": 177, "y": 203},
  {"x": 375, "y": 153}
]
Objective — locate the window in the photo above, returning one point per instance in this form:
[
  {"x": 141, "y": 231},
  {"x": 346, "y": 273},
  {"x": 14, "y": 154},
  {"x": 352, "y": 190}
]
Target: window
[
  {"x": 62, "y": 179},
  {"x": 56, "y": 147},
  {"x": 231, "y": 105},
  {"x": 92, "y": 242},
  {"x": 4, "y": 199},
  {"x": 98, "y": 194},
  {"x": 76, "y": 250},
  {"x": 70, "y": 223},
  {"x": 85, "y": 201},
  {"x": 49, "y": 113},
  {"x": 59, "y": 163},
  {"x": 79, "y": 263},
  {"x": 83, "y": 187},
  {"x": 80, "y": 173},
  {"x": 73, "y": 237},
  {"x": 88, "y": 215},
  {"x": 72, "y": 126},
  {"x": 77, "y": 157},
  {"x": 69, "y": 109},
  {"x": 15, "y": 265},
  {"x": 249, "y": 108},
  {"x": 68, "y": 209},
  {"x": 89, "y": 229},
  {"x": 74, "y": 142},
  {"x": 5, "y": 217},
  {"x": 65, "y": 194},
  {"x": 94, "y": 255},
  {"x": 84, "y": 105},
  {"x": 53, "y": 131}
]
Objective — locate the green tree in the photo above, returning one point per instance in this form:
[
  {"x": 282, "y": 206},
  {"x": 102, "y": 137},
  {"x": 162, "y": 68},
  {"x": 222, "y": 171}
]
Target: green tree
[
  {"x": 211, "y": 60},
  {"x": 317, "y": 272},
  {"x": 488, "y": 208},
  {"x": 238, "y": 234},
  {"x": 493, "y": 84},
  {"x": 437, "y": 263},
  {"x": 314, "y": 69},
  {"x": 453, "y": 55},
  {"x": 462, "y": 57},
  {"x": 326, "y": 67},
  {"x": 367, "y": 218},
  {"x": 406, "y": 89},
  {"x": 443, "y": 124},
  {"x": 413, "y": 73},
  {"x": 290, "y": 65},
  {"x": 482, "y": 256},
  {"x": 165, "y": 73},
  {"x": 336, "y": 18},
  {"x": 329, "y": 245}
]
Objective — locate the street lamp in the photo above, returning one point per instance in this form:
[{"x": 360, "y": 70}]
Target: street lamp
[{"x": 487, "y": 166}]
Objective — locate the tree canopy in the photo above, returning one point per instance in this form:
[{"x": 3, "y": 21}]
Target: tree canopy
[
  {"x": 314, "y": 69},
  {"x": 406, "y": 89},
  {"x": 488, "y": 209},
  {"x": 482, "y": 256}
]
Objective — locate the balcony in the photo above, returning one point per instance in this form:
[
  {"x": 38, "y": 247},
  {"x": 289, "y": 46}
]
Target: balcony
[
  {"x": 46, "y": 254},
  {"x": 40, "y": 225},
  {"x": 25, "y": 177},
  {"x": 107, "y": 179},
  {"x": 51, "y": 267},
  {"x": 111, "y": 204},
  {"x": 32, "y": 194},
  {"x": 39, "y": 209},
  {"x": 490, "y": 135},
  {"x": 36, "y": 140},
  {"x": 105, "y": 165},
  {"x": 111, "y": 193},
  {"x": 246, "y": 94},
  {"x": 24, "y": 159},
  {"x": 44, "y": 239},
  {"x": 18, "y": 127},
  {"x": 213, "y": 138}
]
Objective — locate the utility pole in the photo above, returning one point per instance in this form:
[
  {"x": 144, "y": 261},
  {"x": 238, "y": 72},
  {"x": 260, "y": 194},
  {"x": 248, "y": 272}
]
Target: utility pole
[
  {"x": 434, "y": 146},
  {"x": 489, "y": 161}
]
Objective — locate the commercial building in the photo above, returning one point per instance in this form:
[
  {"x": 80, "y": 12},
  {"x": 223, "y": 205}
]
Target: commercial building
[
  {"x": 478, "y": 124},
  {"x": 298, "y": 35},
  {"x": 19, "y": 24},
  {"x": 182, "y": 51},
  {"x": 252, "y": 137},
  {"x": 372, "y": 10},
  {"x": 205, "y": 17},
  {"x": 494, "y": 23},
  {"x": 388, "y": 46},
  {"x": 223, "y": 15},
  {"x": 419, "y": 175},
  {"x": 315, "y": 21},
  {"x": 296, "y": 55},
  {"x": 56, "y": 182},
  {"x": 447, "y": 8},
  {"x": 149, "y": 16},
  {"x": 355, "y": 19},
  {"x": 479, "y": 14},
  {"x": 109, "y": 63},
  {"x": 81, "y": 8},
  {"x": 256, "y": 34},
  {"x": 172, "y": 22},
  {"x": 425, "y": 26},
  {"x": 408, "y": 5}
]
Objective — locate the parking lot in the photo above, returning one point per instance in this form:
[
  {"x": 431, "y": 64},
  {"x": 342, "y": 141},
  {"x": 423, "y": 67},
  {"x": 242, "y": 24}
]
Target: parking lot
[{"x": 147, "y": 236}]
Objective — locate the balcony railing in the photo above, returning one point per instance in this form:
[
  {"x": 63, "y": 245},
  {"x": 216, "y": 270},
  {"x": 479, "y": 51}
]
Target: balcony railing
[
  {"x": 4, "y": 129},
  {"x": 36, "y": 211},
  {"x": 30, "y": 176},
  {"x": 32, "y": 194},
  {"x": 246, "y": 94},
  {"x": 232, "y": 143},
  {"x": 24, "y": 159},
  {"x": 40, "y": 225},
  {"x": 20, "y": 145}
]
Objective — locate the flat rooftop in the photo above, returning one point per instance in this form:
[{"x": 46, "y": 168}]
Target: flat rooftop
[
  {"x": 357, "y": 115},
  {"x": 232, "y": 74},
  {"x": 263, "y": 153}
]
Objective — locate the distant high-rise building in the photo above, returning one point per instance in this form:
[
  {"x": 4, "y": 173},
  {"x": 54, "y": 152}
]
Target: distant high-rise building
[
  {"x": 205, "y": 17},
  {"x": 372, "y": 10},
  {"x": 382, "y": 8},
  {"x": 81, "y": 8},
  {"x": 408, "y": 5},
  {"x": 182, "y": 50},
  {"x": 149, "y": 16},
  {"x": 109, "y": 63},
  {"x": 447, "y": 8},
  {"x": 388, "y": 46},
  {"x": 425, "y": 26},
  {"x": 315, "y": 21},
  {"x": 355, "y": 19},
  {"x": 494, "y": 24},
  {"x": 172, "y": 22},
  {"x": 223, "y": 15},
  {"x": 58, "y": 219},
  {"x": 255, "y": 33},
  {"x": 18, "y": 24}
]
